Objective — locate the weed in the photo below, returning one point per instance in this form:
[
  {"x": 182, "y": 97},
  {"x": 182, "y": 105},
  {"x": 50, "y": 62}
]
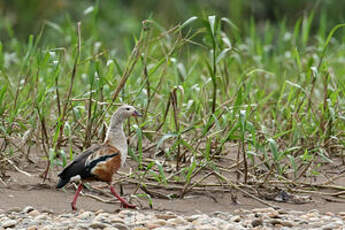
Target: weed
[{"x": 273, "y": 93}]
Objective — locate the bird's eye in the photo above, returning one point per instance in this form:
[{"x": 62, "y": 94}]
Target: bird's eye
[{"x": 127, "y": 109}]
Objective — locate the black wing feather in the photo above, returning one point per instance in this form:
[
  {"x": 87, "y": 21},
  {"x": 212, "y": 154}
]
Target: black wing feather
[{"x": 77, "y": 167}]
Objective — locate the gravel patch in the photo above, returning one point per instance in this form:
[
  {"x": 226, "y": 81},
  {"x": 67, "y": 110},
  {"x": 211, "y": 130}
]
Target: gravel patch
[{"x": 260, "y": 218}]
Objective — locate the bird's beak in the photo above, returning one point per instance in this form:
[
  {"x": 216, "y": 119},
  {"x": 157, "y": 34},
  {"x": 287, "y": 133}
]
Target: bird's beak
[{"x": 136, "y": 114}]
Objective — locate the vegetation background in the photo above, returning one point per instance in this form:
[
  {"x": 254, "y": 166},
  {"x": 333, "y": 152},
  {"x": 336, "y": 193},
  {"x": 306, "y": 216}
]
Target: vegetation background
[
  {"x": 118, "y": 19},
  {"x": 238, "y": 92}
]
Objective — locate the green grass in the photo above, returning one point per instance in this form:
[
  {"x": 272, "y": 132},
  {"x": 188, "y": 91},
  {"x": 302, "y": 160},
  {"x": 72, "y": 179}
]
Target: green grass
[{"x": 276, "y": 93}]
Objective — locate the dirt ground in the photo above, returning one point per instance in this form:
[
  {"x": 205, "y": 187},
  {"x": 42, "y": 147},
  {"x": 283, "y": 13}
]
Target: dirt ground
[
  {"x": 22, "y": 191},
  {"x": 26, "y": 190}
]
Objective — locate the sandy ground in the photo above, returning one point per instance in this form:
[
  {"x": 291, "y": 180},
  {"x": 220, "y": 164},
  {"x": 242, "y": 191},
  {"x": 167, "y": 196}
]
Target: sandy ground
[{"x": 25, "y": 191}]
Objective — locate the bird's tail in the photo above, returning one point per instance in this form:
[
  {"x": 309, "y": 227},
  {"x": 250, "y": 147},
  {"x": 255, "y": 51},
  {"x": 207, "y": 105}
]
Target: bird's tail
[{"x": 62, "y": 182}]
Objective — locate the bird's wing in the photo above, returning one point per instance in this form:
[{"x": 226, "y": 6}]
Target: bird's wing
[
  {"x": 102, "y": 154},
  {"x": 74, "y": 168},
  {"x": 98, "y": 162},
  {"x": 103, "y": 163}
]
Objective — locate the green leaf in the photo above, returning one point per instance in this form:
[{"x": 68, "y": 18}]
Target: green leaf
[
  {"x": 208, "y": 149},
  {"x": 165, "y": 137},
  {"x": 212, "y": 22},
  {"x": 293, "y": 164},
  {"x": 150, "y": 165},
  {"x": 274, "y": 149},
  {"x": 321, "y": 153},
  {"x": 51, "y": 155},
  {"x": 63, "y": 156},
  {"x": 228, "y": 21},
  {"x": 156, "y": 67},
  {"x": 133, "y": 156},
  {"x": 54, "y": 26},
  {"x": 161, "y": 171},
  {"x": 329, "y": 37},
  {"x": 190, "y": 171},
  {"x": 222, "y": 54},
  {"x": 147, "y": 196},
  {"x": 188, "y": 21}
]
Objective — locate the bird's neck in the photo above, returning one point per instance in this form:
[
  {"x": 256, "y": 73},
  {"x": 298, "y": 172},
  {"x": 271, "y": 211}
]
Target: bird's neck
[{"x": 116, "y": 137}]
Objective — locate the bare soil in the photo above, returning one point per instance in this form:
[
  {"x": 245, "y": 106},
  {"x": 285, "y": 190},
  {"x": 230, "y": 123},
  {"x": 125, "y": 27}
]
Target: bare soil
[{"x": 23, "y": 190}]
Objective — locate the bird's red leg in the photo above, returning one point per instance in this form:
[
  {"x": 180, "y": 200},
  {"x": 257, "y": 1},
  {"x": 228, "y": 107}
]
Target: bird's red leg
[
  {"x": 123, "y": 202},
  {"x": 80, "y": 187}
]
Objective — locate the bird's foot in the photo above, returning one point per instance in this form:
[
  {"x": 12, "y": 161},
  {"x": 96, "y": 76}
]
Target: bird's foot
[
  {"x": 128, "y": 205},
  {"x": 74, "y": 208}
]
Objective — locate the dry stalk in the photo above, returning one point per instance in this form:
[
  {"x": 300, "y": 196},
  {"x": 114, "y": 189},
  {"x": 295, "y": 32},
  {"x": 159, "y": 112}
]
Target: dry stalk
[
  {"x": 87, "y": 139},
  {"x": 235, "y": 186},
  {"x": 148, "y": 89},
  {"x": 154, "y": 194},
  {"x": 133, "y": 59},
  {"x": 164, "y": 116},
  {"x": 304, "y": 171},
  {"x": 45, "y": 142},
  {"x": 110, "y": 201},
  {"x": 67, "y": 100},
  {"x": 187, "y": 189},
  {"x": 58, "y": 103},
  {"x": 184, "y": 190},
  {"x": 3, "y": 182},
  {"x": 18, "y": 169},
  {"x": 336, "y": 194},
  {"x": 173, "y": 97},
  {"x": 244, "y": 161}
]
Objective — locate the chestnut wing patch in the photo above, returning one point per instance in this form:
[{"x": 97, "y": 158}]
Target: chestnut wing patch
[
  {"x": 104, "y": 158},
  {"x": 104, "y": 163}
]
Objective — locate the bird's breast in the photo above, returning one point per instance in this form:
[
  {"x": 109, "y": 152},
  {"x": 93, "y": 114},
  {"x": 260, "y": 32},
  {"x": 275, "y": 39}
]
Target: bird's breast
[{"x": 118, "y": 140}]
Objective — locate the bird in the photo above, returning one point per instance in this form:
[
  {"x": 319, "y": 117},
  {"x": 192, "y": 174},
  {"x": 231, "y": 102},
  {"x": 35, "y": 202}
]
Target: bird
[{"x": 101, "y": 161}]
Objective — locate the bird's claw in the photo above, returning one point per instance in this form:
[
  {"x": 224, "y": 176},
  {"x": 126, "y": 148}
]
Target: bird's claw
[
  {"x": 127, "y": 205},
  {"x": 74, "y": 208}
]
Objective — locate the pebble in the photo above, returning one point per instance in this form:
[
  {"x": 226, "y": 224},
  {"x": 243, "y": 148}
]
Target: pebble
[
  {"x": 258, "y": 219},
  {"x": 47, "y": 227},
  {"x": 41, "y": 217},
  {"x": 236, "y": 218},
  {"x": 14, "y": 209},
  {"x": 82, "y": 226},
  {"x": 192, "y": 218},
  {"x": 28, "y": 209},
  {"x": 115, "y": 219},
  {"x": 99, "y": 211},
  {"x": 102, "y": 217},
  {"x": 178, "y": 220},
  {"x": 275, "y": 222},
  {"x": 9, "y": 224},
  {"x": 34, "y": 213},
  {"x": 97, "y": 224},
  {"x": 165, "y": 216},
  {"x": 330, "y": 226},
  {"x": 150, "y": 225},
  {"x": 120, "y": 226},
  {"x": 256, "y": 222},
  {"x": 287, "y": 224},
  {"x": 110, "y": 228},
  {"x": 86, "y": 215}
]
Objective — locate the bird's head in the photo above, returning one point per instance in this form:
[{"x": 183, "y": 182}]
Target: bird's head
[{"x": 126, "y": 111}]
